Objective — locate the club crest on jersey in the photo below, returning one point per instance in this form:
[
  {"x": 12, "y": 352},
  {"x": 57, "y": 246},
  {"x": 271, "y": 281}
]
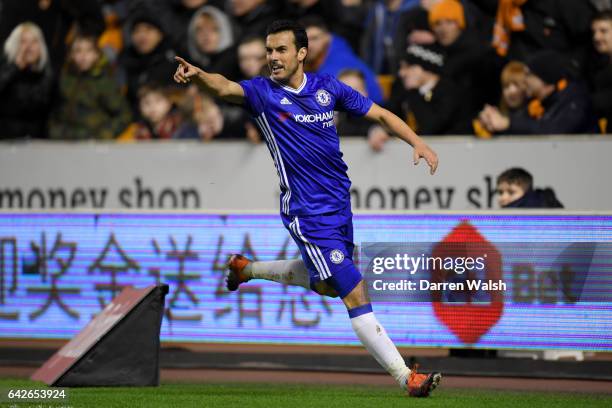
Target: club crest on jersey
[
  {"x": 336, "y": 256},
  {"x": 323, "y": 97}
]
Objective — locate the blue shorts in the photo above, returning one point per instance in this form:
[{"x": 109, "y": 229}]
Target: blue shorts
[{"x": 326, "y": 245}]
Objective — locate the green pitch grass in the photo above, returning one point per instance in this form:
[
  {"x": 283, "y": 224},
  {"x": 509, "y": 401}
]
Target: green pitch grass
[{"x": 182, "y": 395}]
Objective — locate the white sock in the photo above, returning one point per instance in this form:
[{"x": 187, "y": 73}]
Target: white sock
[
  {"x": 374, "y": 337},
  {"x": 290, "y": 272}
]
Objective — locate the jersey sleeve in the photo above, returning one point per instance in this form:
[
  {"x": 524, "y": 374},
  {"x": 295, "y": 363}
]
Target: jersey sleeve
[
  {"x": 349, "y": 100},
  {"x": 253, "y": 91}
]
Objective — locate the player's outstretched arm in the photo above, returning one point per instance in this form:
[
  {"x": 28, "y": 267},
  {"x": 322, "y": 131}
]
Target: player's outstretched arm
[
  {"x": 399, "y": 128},
  {"x": 214, "y": 84}
]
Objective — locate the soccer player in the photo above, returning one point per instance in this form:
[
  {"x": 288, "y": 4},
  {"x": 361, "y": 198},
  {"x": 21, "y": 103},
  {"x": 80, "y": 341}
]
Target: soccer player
[{"x": 295, "y": 113}]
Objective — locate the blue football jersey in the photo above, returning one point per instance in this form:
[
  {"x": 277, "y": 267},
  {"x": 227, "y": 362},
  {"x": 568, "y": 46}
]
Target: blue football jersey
[{"x": 298, "y": 126}]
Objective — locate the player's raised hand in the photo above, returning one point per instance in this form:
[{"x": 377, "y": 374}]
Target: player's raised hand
[
  {"x": 185, "y": 71},
  {"x": 424, "y": 151}
]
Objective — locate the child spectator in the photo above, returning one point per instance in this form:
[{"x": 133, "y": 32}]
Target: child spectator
[
  {"x": 90, "y": 105},
  {"x": 211, "y": 42},
  {"x": 559, "y": 106},
  {"x": 601, "y": 70},
  {"x": 161, "y": 119},
  {"x": 515, "y": 190},
  {"x": 218, "y": 121},
  {"x": 514, "y": 95},
  {"x": 26, "y": 83},
  {"x": 252, "y": 62},
  {"x": 252, "y": 57},
  {"x": 345, "y": 124}
]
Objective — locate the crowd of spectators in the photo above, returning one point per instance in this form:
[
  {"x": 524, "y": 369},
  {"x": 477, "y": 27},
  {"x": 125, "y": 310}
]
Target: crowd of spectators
[{"x": 103, "y": 69}]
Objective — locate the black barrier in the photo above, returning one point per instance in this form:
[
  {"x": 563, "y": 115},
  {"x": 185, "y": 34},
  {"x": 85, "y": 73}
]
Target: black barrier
[{"x": 120, "y": 347}]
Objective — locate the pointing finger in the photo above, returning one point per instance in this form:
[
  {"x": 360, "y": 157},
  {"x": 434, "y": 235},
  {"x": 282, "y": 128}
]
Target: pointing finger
[{"x": 180, "y": 60}]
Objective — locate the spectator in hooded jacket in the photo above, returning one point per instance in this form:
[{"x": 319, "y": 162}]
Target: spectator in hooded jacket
[
  {"x": 177, "y": 15},
  {"x": 329, "y": 53},
  {"x": 211, "y": 42},
  {"x": 26, "y": 83},
  {"x": 90, "y": 105},
  {"x": 558, "y": 106},
  {"x": 150, "y": 56}
]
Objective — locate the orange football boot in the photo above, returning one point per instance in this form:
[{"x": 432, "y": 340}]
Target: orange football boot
[
  {"x": 421, "y": 385},
  {"x": 236, "y": 275}
]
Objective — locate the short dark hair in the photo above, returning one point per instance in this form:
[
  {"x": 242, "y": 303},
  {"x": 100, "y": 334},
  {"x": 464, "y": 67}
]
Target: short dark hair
[
  {"x": 299, "y": 33},
  {"x": 516, "y": 175},
  {"x": 85, "y": 36},
  {"x": 153, "y": 87},
  {"x": 604, "y": 15},
  {"x": 352, "y": 71},
  {"x": 250, "y": 38},
  {"x": 313, "y": 20}
]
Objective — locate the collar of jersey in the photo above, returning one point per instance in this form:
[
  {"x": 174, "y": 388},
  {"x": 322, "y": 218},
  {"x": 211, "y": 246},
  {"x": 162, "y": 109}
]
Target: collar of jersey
[{"x": 290, "y": 89}]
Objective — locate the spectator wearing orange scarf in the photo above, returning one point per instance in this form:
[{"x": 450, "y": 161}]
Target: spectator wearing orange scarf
[{"x": 559, "y": 106}]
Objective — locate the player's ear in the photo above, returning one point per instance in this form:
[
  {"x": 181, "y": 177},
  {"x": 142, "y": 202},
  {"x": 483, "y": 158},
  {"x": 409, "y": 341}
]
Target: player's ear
[{"x": 302, "y": 54}]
